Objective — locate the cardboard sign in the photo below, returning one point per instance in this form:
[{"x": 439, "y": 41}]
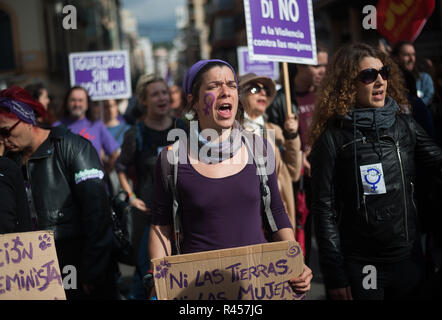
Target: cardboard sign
[
  {"x": 104, "y": 74},
  {"x": 29, "y": 267},
  {"x": 261, "y": 68},
  {"x": 258, "y": 272},
  {"x": 281, "y": 30},
  {"x": 402, "y": 20}
]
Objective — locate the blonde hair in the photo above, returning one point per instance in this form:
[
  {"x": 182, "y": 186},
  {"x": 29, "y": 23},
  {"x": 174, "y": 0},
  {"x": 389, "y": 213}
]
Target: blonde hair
[{"x": 143, "y": 82}]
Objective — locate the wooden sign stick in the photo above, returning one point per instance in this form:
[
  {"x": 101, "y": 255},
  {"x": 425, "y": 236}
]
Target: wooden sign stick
[{"x": 288, "y": 98}]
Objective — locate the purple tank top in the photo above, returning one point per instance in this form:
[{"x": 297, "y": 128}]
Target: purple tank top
[{"x": 218, "y": 213}]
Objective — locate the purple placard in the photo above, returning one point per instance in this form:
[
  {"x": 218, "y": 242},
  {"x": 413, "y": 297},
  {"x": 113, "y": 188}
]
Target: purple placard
[
  {"x": 104, "y": 74},
  {"x": 262, "y": 68},
  {"x": 281, "y": 30}
]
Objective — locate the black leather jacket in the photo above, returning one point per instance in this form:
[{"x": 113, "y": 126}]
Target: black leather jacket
[
  {"x": 69, "y": 196},
  {"x": 377, "y": 228}
]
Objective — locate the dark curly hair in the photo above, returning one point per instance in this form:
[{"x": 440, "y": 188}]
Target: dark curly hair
[{"x": 337, "y": 92}]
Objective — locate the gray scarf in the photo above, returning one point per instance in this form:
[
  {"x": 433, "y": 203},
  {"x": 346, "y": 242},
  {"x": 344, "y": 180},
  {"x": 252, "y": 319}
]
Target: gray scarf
[
  {"x": 217, "y": 152},
  {"x": 374, "y": 118},
  {"x": 371, "y": 119}
]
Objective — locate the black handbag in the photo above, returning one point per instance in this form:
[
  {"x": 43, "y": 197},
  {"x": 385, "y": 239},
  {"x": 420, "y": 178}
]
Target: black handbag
[{"x": 129, "y": 225}]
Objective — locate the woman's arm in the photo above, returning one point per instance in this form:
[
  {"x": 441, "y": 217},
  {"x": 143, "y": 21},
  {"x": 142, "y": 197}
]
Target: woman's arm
[
  {"x": 160, "y": 243},
  {"x": 159, "y": 246},
  {"x": 427, "y": 153},
  {"x": 133, "y": 200},
  {"x": 123, "y": 163},
  {"x": 293, "y": 155},
  {"x": 323, "y": 161},
  {"x": 283, "y": 235}
]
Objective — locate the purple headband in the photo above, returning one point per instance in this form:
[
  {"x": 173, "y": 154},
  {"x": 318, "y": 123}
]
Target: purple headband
[
  {"x": 22, "y": 110},
  {"x": 193, "y": 71}
]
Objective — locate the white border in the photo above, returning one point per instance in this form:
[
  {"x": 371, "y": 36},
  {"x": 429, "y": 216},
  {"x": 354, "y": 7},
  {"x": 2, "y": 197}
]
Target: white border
[
  {"x": 127, "y": 78},
  {"x": 279, "y": 58}
]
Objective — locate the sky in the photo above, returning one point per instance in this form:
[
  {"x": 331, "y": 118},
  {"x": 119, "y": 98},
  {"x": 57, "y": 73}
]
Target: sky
[{"x": 156, "y": 18}]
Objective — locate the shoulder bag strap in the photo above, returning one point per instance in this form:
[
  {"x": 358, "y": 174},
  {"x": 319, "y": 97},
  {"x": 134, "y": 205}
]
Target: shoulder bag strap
[{"x": 260, "y": 163}]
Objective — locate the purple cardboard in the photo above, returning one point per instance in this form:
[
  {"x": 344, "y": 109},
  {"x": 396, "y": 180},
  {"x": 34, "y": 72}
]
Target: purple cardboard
[
  {"x": 104, "y": 74},
  {"x": 281, "y": 30}
]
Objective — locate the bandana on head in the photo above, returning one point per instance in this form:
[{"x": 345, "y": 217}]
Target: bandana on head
[
  {"x": 22, "y": 110},
  {"x": 196, "y": 68}
]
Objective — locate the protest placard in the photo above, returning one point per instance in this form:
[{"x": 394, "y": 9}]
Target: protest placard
[
  {"x": 281, "y": 30},
  {"x": 257, "y": 272},
  {"x": 29, "y": 267},
  {"x": 262, "y": 68},
  {"x": 104, "y": 74}
]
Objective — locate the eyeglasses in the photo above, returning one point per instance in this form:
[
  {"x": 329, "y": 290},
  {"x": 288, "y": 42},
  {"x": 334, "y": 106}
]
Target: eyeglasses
[
  {"x": 6, "y": 133},
  {"x": 255, "y": 89},
  {"x": 370, "y": 75}
]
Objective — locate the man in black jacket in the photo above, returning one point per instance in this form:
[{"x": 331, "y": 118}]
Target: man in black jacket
[{"x": 64, "y": 178}]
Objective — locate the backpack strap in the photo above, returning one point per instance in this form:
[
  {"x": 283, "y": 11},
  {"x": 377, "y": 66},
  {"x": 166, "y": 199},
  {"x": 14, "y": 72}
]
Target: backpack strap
[
  {"x": 169, "y": 170},
  {"x": 259, "y": 159}
]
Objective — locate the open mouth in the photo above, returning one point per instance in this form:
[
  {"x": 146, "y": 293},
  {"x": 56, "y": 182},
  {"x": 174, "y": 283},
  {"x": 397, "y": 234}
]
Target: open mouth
[
  {"x": 225, "y": 110},
  {"x": 378, "y": 94},
  {"x": 162, "y": 106},
  {"x": 262, "y": 101}
]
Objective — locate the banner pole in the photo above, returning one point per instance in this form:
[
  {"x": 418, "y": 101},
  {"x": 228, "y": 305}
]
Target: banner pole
[{"x": 288, "y": 98}]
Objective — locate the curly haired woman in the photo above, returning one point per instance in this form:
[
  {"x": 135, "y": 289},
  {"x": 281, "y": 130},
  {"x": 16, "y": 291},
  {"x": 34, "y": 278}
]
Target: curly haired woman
[{"x": 366, "y": 147}]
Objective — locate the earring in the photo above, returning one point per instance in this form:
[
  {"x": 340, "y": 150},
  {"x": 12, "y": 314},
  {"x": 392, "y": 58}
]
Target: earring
[{"x": 190, "y": 115}]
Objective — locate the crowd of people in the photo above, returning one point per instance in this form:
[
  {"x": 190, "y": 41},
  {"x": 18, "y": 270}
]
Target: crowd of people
[{"x": 355, "y": 160}]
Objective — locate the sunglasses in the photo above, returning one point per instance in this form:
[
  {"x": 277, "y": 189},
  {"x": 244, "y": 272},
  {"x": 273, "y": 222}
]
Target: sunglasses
[
  {"x": 6, "y": 133},
  {"x": 255, "y": 89},
  {"x": 370, "y": 75}
]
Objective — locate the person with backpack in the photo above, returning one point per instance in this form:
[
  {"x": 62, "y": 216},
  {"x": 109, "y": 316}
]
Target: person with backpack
[
  {"x": 216, "y": 189},
  {"x": 141, "y": 146},
  {"x": 366, "y": 147}
]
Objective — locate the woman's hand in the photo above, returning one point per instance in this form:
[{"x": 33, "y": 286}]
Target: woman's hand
[
  {"x": 291, "y": 124},
  {"x": 139, "y": 204},
  {"x": 301, "y": 284},
  {"x": 340, "y": 293}
]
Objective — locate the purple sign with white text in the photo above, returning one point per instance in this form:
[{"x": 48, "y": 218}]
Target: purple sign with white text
[
  {"x": 281, "y": 30},
  {"x": 262, "y": 68},
  {"x": 104, "y": 74}
]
